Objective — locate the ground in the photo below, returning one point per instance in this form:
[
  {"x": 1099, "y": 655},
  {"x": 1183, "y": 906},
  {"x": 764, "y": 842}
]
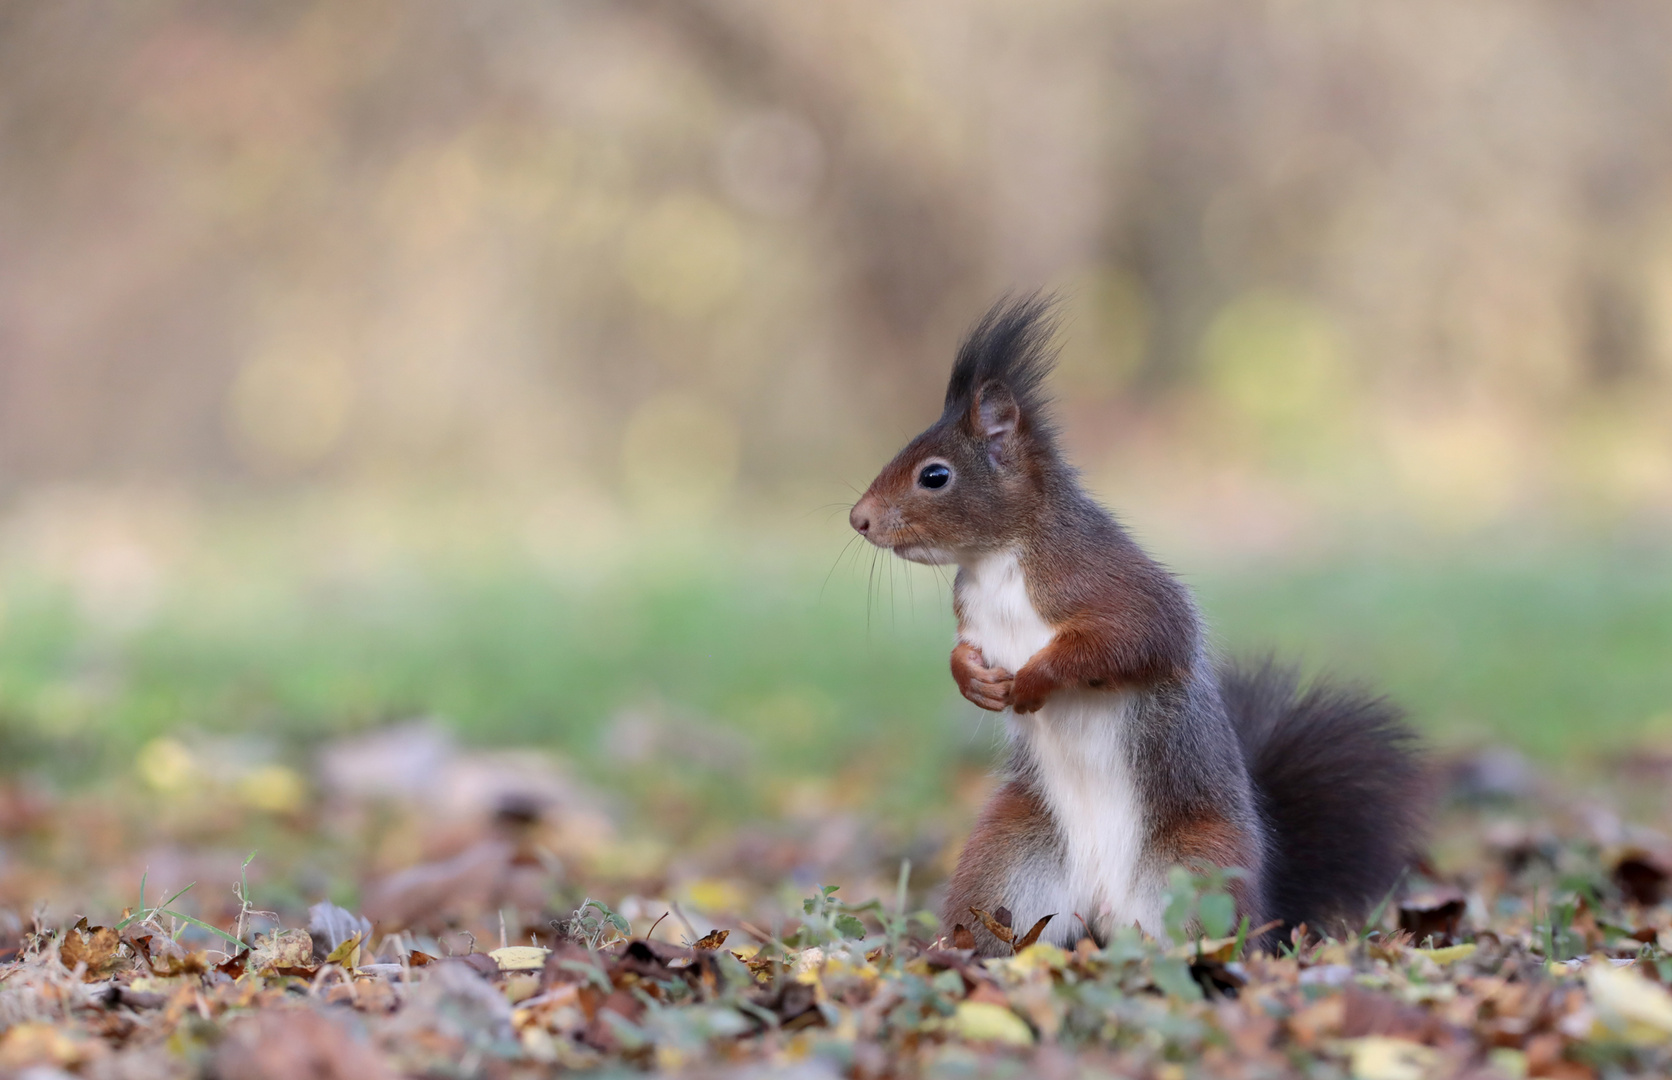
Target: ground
[{"x": 291, "y": 833}]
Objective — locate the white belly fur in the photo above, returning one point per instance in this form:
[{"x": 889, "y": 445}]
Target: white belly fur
[{"x": 1077, "y": 745}]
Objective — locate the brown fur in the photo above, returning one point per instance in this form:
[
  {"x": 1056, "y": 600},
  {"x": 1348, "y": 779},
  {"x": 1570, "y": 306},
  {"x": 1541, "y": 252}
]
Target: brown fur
[
  {"x": 1212, "y": 839},
  {"x": 1013, "y": 825}
]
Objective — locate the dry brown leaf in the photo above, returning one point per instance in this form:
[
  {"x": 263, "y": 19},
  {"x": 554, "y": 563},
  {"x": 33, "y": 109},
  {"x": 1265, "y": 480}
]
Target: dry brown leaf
[
  {"x": 993, "y": 925},
  {"x": 286, "y": 949},
  {"x": 712, "y": 940},
  {"x": 1436, "y": 914},
  {"x": 95, "y": 947},
  {"x": 234, "y": 966},
  {"x": 1033, "y": 935},
  {"x": 1642, "y": 877}
]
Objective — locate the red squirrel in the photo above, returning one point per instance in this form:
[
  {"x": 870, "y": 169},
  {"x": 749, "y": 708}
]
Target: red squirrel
[{"x": 1132, "y": 749}]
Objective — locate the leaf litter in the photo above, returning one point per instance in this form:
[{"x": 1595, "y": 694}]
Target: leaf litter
[{"x": 1537, "y": 942}]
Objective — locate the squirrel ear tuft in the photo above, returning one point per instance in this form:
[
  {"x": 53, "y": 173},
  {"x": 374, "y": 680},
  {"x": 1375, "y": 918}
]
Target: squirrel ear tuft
[
  {"x": 998, "y": 379},
  {"x": 995, "y": 417}
]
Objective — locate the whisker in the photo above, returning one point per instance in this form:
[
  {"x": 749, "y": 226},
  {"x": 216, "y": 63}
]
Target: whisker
[
  {"x": 911, "y": 593},
  {"x": 835, "y": 563},
  {"x": 893, "y": 611},
  {"x": 870, "y": 583},
  {"x": 940, "y": 571},
  {"x": 832, "y": 506}
]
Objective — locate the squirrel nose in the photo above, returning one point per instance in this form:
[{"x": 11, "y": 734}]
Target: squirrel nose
[{"x": 860, "y": 520}]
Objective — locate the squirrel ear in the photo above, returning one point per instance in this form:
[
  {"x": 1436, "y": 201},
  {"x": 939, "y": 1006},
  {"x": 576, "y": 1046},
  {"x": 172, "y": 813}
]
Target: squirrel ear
[{"x": 996, "y": 416}]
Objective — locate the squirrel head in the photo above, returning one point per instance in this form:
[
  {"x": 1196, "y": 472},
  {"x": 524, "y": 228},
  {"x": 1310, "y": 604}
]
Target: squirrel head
[{"x": 972, "y": 482}]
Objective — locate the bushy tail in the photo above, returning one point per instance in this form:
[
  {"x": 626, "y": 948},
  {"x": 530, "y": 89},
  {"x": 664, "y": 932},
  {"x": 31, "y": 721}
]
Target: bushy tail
[{"x": 1342, "y": 788}]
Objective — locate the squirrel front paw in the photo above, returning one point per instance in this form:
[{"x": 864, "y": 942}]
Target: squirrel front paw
[
  {"x": 988, "y": 687},
  {"x": 1033, "y": 684}
]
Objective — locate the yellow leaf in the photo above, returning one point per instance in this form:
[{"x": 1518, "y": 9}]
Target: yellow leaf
[
  {"x": 521, "y": 986},
  {"x": 1628, "y": 1004},
  {"x": 808, "y": 963},
  {"x": 982, "y": 1021},
  {"x": 348, "y": 953},
  {"x": 1040, "y": 956},
  {"x": 1449, "y": 954},
  {"x": 1379, "y": 1057},
  {"x": 520, "y": 957}
]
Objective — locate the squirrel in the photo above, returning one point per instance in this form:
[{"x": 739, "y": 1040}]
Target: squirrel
[{"x": 1132, "y": 748}]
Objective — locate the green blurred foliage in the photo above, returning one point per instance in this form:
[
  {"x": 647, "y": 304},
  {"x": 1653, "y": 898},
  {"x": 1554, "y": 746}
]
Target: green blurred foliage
[{"x": 735, "y": 676}]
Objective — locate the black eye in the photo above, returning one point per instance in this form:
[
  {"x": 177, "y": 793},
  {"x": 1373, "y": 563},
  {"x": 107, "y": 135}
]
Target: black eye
[{"x": 934, "y": 476}]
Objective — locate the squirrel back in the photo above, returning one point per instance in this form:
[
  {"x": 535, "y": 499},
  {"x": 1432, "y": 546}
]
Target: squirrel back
[{"x": 1132, "y": 750}]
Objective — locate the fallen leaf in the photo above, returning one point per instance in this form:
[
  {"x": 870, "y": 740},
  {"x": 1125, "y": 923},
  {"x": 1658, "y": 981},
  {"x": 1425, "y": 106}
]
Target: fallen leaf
[
  {"x": 286, "y": 949},
  {"x": 1629, "y": 1005},
  {"x": 520, "y": 957},
  {"x": 962, "y": 938},
  {"x": 1641, "y": 877},
  {"x": 1436, "y": 914},
  {"x": 994, "y": 926},
  {"x": 1450, "y": 954},
  {"x": 713, "y": 939},
  {"x": 1380, "y": 1057},
  {"x": 1318, "y": 1020},
  {"x": 234, "y": 966},
  {"x": 96, "y": 948},
  {"x": 174, "y": 962},
  {"x": 330, "y": 926},
  {"x": 980, "y": 1021},
  {"x": 1040, "y": 956},
  {"x": 347, "y": 953},
  {"x": 1033, "y": 935}
]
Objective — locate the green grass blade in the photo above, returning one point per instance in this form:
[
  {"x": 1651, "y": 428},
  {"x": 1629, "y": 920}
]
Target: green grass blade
[
  {"x": 1381, "y": 909},
  {"x": 201, "y": 925}
]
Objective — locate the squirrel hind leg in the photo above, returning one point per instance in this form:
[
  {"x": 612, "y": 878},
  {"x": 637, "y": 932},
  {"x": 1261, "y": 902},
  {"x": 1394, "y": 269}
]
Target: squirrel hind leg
[
  {"x": 1010, "y": 861},
  {"x": 1212, "y": 839}
]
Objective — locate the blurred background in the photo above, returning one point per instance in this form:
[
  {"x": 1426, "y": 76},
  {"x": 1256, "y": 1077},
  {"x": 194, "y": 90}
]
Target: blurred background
[{"x": 504, "y": 371}]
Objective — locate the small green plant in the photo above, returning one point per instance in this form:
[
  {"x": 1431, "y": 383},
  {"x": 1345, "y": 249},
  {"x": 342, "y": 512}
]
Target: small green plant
[
  {"x": 245, "y": 907},
  {"x": 828, "y": 919},
  {"x": 1199, "y": 903},
  {"x": 593, "y": 923},
  {"x": 143, "y": 914},
  {"x": 1561, "y": 942}
]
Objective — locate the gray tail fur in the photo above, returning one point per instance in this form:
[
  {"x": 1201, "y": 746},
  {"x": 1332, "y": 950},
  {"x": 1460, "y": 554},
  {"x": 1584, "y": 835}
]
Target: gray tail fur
[{"x": 1341, "y": 786}]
